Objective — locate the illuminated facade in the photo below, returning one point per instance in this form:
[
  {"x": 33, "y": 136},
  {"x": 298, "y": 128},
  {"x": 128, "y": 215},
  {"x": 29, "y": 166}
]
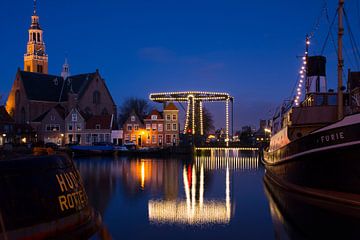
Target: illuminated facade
[
  {"x": 157, "y": 129},
  {"x": 35, "y": 92}
]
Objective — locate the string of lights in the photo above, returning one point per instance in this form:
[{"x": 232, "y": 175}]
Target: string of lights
[{"x": 302, "y": 74}]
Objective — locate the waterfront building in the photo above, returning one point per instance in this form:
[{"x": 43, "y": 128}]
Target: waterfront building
[
  {"x": 35, "y": 93},
  {"x": 154, "y": 124},
  {"x": 134, "y": 130},
  {"x": 171, "y": 123},
  {"x": 50, "y": 126},
  {"x": 157, "y": 129}
]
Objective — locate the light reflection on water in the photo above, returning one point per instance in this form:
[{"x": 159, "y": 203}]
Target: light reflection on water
[{"x": 215, "y": 196}]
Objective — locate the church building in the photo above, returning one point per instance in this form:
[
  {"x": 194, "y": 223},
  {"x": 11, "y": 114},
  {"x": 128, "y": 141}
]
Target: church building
[{"x": 35, "y": 91}]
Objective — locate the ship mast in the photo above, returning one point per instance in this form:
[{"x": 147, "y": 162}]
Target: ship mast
[{"x": 340, "y": 99}]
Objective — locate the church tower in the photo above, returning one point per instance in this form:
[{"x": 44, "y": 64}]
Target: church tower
[{"x": 35, "y": 59}]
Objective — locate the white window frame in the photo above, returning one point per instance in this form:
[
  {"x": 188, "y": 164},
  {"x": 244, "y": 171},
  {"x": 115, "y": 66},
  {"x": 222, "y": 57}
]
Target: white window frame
[{"x": 160, "y": 127}]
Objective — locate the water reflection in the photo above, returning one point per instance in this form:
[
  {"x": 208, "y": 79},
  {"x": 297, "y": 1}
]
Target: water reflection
[
  {"x": 195, "y": 209},
  {"x": 210, "y": 193},
  {"x": 303, "y": 217}
]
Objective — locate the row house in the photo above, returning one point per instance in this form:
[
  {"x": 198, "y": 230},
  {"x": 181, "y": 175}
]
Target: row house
[
  {"x": 95, "y": 129},
  {"x": 158, "y": 129},
  {"x": 61, "y": 128}
]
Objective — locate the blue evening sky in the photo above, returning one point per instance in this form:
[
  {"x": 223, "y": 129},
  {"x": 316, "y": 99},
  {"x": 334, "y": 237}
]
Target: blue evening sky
[{"x": 246, "y": 48}]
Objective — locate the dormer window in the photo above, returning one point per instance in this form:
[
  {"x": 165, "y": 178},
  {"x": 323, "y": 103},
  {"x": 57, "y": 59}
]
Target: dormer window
[
  {"x": 153, "y": 117},
  {"x": 133, "y": 118}
]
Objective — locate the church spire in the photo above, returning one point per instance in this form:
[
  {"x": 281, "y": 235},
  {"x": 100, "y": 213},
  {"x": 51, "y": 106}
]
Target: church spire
[
  {"x": 65, "y": 73},
  {"x": 35, "y": 59}
]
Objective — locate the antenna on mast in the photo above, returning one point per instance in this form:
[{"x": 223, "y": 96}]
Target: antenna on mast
[
  {"x": 34, "y": 7},
  {"x": 340, "y": 100}
]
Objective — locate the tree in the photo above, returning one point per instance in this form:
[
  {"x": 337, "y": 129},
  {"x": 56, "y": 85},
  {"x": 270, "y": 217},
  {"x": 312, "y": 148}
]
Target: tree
[
  {"x": 208, "y": 122},
  {"x": 139, "y": 105}
]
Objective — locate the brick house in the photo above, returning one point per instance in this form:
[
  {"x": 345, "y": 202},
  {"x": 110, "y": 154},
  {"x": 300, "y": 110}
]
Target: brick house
[
  {"x": 134, "y": 130},
  {"x": 50, "y": 126},
  {"x": 95, "y": 129},
  {"x": 74, "y": 127},
  {"x": 171, "y": 124},
  {"x": 157, "y": 129},
  {"x": 98, "y": 129},
  {"x": 154, "y": 125}
]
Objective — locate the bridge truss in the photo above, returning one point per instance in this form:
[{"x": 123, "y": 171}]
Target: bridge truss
[{"x": 194, "y": 122}]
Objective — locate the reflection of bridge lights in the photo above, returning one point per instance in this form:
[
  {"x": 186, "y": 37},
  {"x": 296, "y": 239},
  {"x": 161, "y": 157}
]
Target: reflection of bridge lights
[
  {"x": 231, "y": 162},
  {"x": 191, "y": 211}
]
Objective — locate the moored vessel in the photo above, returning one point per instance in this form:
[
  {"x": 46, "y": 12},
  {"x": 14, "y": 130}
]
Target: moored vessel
[
  {"x": 314, "y": 149},
  {"x": 43, "y": 197}
]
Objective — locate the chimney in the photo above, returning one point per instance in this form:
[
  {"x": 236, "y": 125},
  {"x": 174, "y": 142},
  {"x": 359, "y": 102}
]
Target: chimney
[{"x": 316, "y": 74}]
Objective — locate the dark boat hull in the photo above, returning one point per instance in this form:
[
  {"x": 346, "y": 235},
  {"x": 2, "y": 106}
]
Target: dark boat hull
[
  {"x": 299, "y": 216},
  {"x": 318, "y": 164},
  {"x": 43, "y": 197}
]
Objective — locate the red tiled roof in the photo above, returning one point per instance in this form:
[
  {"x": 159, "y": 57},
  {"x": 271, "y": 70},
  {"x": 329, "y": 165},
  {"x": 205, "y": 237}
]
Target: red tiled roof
[
  {"x": 171, "y": 106},
  {"x": 154, "y": 112},
  {"x": 104, "y": 122}
]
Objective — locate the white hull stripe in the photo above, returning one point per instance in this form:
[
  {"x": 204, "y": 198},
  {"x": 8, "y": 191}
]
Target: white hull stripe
[{"x": 319, "y": 150}]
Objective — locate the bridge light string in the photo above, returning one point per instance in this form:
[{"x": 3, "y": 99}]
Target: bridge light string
[
  {"x": 187, "y": 116},
  {"x": 201, "y": 119},
  {"x": 227, "y": 120},
  {"x": 302, "y": 74}
]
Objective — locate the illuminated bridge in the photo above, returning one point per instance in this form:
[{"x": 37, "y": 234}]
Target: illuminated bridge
[{"x": 194, "y": 112}]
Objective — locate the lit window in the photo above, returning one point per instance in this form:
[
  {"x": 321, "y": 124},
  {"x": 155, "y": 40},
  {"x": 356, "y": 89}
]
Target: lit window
[
  {"x": 154, "y": 126},
  {"x": 148, "y": 126},
  {"x": 174, "y": 127},
  {"x": 153, "y": 117},
  {"x": 136, "y": 127},
  {"x": 78, "y": 126},
  {"x": 133, "y": 118},
  {"x": 153, "y": 137},
  {"x": 160, "y": 127}
]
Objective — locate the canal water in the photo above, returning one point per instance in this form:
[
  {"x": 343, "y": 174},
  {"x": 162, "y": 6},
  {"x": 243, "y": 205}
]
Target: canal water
[{"x": 222, "y": 195}]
